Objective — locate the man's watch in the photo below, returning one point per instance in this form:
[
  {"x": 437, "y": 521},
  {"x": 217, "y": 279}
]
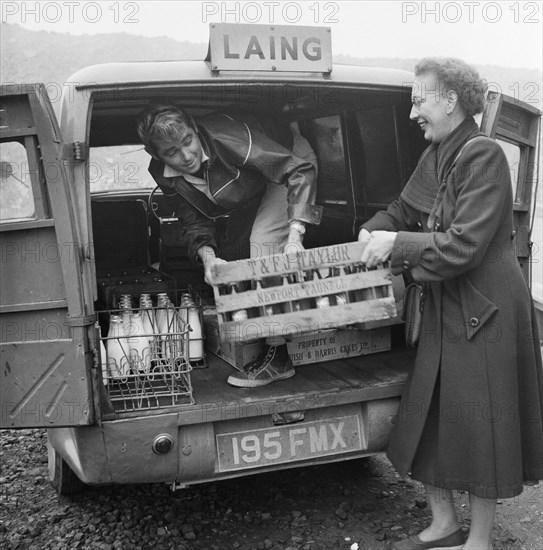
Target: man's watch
[{"x": 297, "y": 226}]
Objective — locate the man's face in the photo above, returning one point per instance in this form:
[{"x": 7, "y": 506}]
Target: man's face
[
  {"x": 429, "y": 108},
  {"x": 182, "y": 153}
]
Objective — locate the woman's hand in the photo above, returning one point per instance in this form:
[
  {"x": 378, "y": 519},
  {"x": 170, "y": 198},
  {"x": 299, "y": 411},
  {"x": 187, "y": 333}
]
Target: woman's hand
[
  {"x": 364, "y": 236},
  {"x": 378, "y": 247}
]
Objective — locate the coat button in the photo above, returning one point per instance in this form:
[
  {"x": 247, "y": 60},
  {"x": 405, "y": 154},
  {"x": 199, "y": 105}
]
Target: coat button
[
  {"x": 406, "y": 264},
  {"x": 474, "y": 322}
]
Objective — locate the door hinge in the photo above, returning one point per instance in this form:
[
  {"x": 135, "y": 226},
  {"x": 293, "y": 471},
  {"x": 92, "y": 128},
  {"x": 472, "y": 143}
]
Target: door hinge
[
  {"x": 521, "y": 240},
  {"x": 74, "y": 151},
  {"x": 81, "y": 321}
]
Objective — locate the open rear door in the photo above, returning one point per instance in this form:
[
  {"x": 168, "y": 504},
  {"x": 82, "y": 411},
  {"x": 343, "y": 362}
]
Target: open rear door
[
  {"x": 45, "y": 357},
  {"x": 514, "y": 124}
]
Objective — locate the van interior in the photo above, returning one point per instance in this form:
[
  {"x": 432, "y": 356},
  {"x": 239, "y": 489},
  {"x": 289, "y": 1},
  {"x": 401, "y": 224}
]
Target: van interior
[
  {"x": 365, "y": 144},
  {"x": 366, "y": 148}
]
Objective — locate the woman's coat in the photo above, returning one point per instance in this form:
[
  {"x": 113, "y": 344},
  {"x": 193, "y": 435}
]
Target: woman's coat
[{"x": 471, "y": 414}]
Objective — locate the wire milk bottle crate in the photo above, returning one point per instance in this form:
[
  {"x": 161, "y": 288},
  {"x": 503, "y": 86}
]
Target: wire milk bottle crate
[
  {"x": 147, "y": 348},
  {"x": 291, "y": 294}
]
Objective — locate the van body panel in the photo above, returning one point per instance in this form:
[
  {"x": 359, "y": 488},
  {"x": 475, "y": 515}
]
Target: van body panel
[
  {"x": 166, "y": 73},
  {"x": 46, "y": 353},
  {"x": 83, "y": 449},
  {"x": 515, "y": 126},
  {"x": 122, "y": 451}
]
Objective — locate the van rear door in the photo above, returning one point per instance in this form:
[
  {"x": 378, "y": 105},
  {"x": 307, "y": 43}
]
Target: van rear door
[
  {"x": 45, "y": 356},
  {"x": 514, "y": 124}
]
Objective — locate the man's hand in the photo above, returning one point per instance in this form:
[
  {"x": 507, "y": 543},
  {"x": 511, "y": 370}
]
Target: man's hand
[
  {"x": 378, "y": 247},
  {"x": 207, "y": 268},
  {"x": 295, "y": 239},
  {"x": 207, "y": 255}
]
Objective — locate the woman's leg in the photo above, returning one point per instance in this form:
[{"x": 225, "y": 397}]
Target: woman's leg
[
  {"x": 483, "y": 512},
  {"x": 444, "y": 520}
]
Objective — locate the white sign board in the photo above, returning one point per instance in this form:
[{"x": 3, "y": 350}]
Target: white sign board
[{"x": 235, "y": 47}]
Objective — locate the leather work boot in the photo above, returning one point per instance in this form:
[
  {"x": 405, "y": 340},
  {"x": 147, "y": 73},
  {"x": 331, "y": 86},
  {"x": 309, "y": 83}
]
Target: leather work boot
[{"x": 274, "y": 365}]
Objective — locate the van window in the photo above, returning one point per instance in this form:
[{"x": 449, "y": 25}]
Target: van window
[
  {"x": 326, "y": 138},
  {"x": 376, "y": 162},
  {"x": 16, "y": 183},
  {"x": 512, "y": 152},
  {"x": 119, "y": 168}
]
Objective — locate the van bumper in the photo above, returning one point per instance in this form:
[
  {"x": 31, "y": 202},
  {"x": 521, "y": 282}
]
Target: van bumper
[{"x": 121, "y": 451}]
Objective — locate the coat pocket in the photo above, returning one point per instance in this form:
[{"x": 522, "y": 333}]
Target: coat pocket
[{"x": 476, "y": 307}]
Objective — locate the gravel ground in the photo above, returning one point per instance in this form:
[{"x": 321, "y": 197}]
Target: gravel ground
[{"x": 359, "y": 504}]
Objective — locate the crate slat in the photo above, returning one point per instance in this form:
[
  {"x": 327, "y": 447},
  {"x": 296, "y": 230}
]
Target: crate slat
[
  {"x": 283, "y": 264},
  {"x": 309, "y": 320},
  {"x": 298, "y": 291}
]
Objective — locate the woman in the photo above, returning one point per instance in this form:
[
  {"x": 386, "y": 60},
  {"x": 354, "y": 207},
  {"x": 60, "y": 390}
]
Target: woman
[{"x": 471, "y": 414}]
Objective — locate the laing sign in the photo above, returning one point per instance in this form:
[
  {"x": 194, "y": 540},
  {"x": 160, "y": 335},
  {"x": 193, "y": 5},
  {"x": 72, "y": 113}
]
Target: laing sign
[{"x": 269, "y": 48}]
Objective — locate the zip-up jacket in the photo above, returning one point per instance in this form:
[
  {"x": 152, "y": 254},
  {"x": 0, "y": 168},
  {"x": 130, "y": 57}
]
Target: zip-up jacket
[{"x": 242, "y": 161}]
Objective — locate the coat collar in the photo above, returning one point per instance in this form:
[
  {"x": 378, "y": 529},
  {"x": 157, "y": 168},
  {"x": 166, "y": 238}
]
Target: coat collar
[
  {"x": 421, "y": 189},
  {"x": 179, "y": 185},
  {"x": 451, "y": 145}
]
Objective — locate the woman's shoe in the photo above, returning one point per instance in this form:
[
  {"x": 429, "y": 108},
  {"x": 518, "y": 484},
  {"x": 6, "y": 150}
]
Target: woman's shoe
[{"x": 454, "y": 541}]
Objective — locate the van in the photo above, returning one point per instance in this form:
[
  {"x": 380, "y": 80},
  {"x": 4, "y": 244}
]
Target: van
[{"x": 83, "y": 223}]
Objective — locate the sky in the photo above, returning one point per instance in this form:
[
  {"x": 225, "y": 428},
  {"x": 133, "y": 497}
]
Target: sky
[{"x": 481, "y": 32}]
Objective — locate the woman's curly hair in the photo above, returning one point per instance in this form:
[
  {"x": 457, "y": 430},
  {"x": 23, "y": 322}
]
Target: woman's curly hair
[{"x": 455, "y": 74}]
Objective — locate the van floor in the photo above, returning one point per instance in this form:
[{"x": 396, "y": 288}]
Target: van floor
[{"x": 341, "y": 381}]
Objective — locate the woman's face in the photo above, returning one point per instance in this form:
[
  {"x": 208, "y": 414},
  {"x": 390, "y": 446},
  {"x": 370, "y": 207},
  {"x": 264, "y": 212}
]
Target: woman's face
[
  {"x": 430, "y": 110},
  {"x": 182, "y": 153}
]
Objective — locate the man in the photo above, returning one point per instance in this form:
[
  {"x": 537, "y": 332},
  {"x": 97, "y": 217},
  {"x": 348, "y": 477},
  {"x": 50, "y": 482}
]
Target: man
[{"x": 227, "y": 167}]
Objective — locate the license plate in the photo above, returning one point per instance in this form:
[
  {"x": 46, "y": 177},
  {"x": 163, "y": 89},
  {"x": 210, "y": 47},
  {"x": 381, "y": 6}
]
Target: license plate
[{"x": 290, "y": 443}]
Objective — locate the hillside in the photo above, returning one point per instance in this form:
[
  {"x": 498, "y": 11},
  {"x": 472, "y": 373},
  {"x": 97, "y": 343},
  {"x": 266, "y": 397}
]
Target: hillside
[
  {"x": 52, "y": 57},
  {"x": 30, "y": 56}
]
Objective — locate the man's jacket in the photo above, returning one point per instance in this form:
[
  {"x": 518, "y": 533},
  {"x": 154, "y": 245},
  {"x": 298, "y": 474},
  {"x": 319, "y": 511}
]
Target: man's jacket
[{"x": 242, "y": 161}]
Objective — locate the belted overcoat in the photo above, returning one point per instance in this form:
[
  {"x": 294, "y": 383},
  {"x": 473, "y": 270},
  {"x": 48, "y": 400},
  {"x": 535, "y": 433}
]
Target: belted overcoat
[{"x": 470, "y": 417}]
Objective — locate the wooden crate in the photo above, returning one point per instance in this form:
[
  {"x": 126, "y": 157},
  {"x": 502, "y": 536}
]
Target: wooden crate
[
  {"x": 311, "y": 290},
  {"x": 326, "y": 345},
  {"x": 236, "y": 354}
]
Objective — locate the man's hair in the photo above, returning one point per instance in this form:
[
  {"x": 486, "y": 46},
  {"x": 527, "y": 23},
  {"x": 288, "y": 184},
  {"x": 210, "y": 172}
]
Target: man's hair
[
  {"x": 455, "y": 74},
  {"x": 160, "y": 122}
]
